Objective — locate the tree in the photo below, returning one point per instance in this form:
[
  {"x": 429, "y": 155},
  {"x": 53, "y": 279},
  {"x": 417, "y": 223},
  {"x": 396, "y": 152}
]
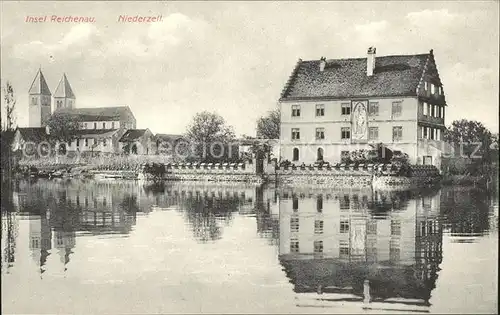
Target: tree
[
  {"x": 210, "y": 137},
  {"x": 268, "y": 127},
  {"x": 471, "y": 137},
  {"x": 10, "y": 106},
  {"x": 63, "y": 127}
]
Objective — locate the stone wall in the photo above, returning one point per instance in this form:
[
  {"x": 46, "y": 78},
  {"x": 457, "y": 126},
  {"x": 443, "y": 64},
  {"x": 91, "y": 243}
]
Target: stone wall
[
  {"x": 210, "y": 168},
  {"x": 208, "y": 172},
  {"x": 357, "y": 176}
]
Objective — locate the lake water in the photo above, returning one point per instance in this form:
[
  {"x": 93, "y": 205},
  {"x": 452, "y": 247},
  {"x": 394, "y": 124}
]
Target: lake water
[{"x": 91, "y": 247}]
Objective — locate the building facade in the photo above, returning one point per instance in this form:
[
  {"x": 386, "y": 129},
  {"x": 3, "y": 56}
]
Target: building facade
[
  {"x": 332, "y": 107},
  {"x": 100, "y": 129}
]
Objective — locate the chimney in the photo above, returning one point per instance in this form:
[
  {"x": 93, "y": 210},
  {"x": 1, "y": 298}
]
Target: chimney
[
  {"x": 322, "y": 64},
  {"x": 370, "y": 61}
]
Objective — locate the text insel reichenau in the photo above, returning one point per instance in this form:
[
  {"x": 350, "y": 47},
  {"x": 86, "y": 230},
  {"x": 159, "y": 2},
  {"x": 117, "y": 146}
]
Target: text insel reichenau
[{"x": 139, "y": 18}]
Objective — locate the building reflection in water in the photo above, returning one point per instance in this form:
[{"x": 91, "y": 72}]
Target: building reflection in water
[
  {"x": 208, "y": 208},
  {"x": 468, "y": 213},
  {"x": 331, "y": 242},
  {"x": 60, "y": 211}
]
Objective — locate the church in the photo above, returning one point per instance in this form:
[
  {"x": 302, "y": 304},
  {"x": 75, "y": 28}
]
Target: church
[{"x": 100, "y": 128}]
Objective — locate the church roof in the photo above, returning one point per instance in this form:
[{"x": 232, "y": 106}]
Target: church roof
[
  {"x": 98, "y": 113},
  {"x": 347, "y": 78},
  {"x": 64, "y": 89},
  {"x": 132, "y": 134},
  {"x": 39, "y": 85}
]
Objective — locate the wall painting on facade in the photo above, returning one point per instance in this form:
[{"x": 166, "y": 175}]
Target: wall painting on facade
[{"x": 359, "y": 121}]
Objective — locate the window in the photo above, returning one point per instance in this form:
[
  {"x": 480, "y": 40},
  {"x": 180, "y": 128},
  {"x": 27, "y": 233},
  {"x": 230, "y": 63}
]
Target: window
[
  {"x": 295, "y": 204},
  {"x": 318, "y": 246},
  {"x": 294, "y": 224},
  {"x": 104, "y": 201},
  {"x": 345, "y": 132},
  {"x": 86, "y": 142},
  {"x": 346, "y": 108},
  {"x": 396, "y": 109},
  {"x": 426, "y": 85},
  {"x": 320, "y": 110},
  {"x": 345, "y": 202},
  {"x": 371, "y": 228},
  {"x": 343, "y": 249},
  {"x": 428, "y": 109},
  {"x": 427, "y": 160},
  {"x": 95, "y": 125},
  {"x": 433, "y": 111},
  {"x": 319, "y": 203},
  {"x": 295, "y": 110},
  {"x": 397, "y": 133},
  {"x": 373, "y": 109},
  {"x": 295, "y": 134},
  {"x": 294, "y": 246},
  {"x": 113, "y": 125},
  {"x": 103, "y": 125},
  {"x": 295, "y": 154},
  {"x": 104, "y": 142},
  {"x": 433, "y": 88},
  {"x": 425, "y": 109},
  {"x": 344, "y": 226},
  {"x": 70, "y": 103},
  {"x": 432, "y": 133},
  {"x": 319, "y": 156},
  {"x": 318, "y": 227},
  {"x": 395, "y": 227},
  {"x": 320, "y": 133},
  {"x": 438, "y": 134},
  {"x": 372, "y": 133},
  {"x": 77, "y": 142},
  {"x": 34, "y": 101}
]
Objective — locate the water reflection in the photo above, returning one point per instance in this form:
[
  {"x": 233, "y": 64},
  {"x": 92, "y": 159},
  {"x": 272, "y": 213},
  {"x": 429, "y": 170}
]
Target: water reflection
[{"x": 331, "y": 242}]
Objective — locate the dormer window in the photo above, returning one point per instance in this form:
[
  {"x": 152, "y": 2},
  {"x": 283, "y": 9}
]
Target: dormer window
[{"x": 433, "y": 88}]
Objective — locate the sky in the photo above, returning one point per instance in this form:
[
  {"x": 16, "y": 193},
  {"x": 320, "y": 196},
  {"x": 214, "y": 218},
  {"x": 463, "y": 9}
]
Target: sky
[{"x": 234, "y": 58}]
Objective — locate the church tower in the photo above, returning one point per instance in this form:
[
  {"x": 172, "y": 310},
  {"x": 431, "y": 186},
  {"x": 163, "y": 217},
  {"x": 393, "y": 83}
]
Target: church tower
[
  {"x": 64, "y": 97},
  {"x": 39, "y": 101}
]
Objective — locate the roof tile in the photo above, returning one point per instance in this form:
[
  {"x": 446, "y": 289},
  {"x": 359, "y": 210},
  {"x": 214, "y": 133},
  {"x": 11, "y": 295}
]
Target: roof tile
[{"x": 345, "y": 78}]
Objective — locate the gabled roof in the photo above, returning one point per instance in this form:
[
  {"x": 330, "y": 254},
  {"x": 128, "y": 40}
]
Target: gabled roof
[
  {"x": 64, "y": 89},
  {"x": 39, "y": 85},
  {"x": 347, "y": 78},
  {"x": 33, "y": 134},
  {"x": 168, "y": 137},
  {"x": 133, "y": 134},
  {"x": 97, "y": 113}
]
